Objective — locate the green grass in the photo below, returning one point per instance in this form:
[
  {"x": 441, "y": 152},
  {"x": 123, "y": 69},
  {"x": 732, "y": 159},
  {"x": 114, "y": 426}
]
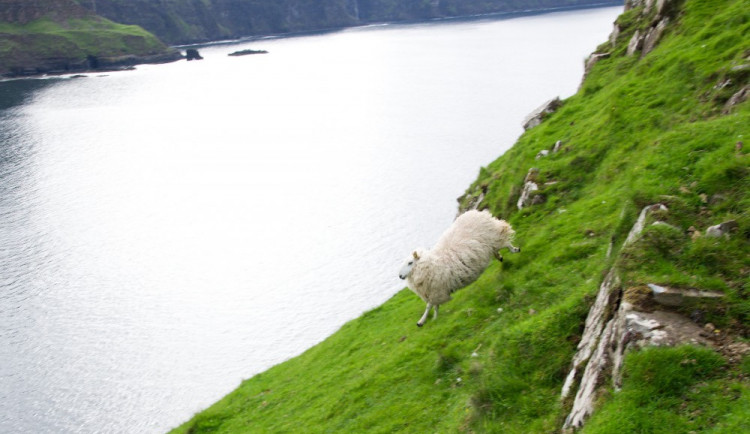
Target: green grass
[
  {"x": 640, "y": 131},
  {"x": 72, "y": 40},
  {"x": 676, "y": 390}
]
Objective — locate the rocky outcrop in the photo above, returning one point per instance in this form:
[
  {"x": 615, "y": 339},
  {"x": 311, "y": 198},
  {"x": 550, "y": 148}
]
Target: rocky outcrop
[
  {"x": 621, "y": 320},
  {"x": 537, "y": 116},
  {"x": 653, "y": 35},
  {"x": 592, "y": 60},
  {"x": 722, "y": 230},
  {"x": 737, "y": 98},
  {"x": 64, "y": 43},
  {"x": 635, "y": 44},
  {"x": 529, "y": 187}
]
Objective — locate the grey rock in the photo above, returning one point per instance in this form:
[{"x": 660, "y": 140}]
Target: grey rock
[
  {"x": 722, "y": 229},
  {"x": 535, "y": 117},
  {"x": 525, "y": 199},
  {"x": 635, "y": 232},
  {"x": 542, "y": 153},
  {"x": 676, "y": 297},
  {"x": 635, "y": 44},
  {"x": 613, "y": 327},
  {"x": 653, "y": 36},
  {"x": 739, "y": 97},
  {"x": 615, "y": 33},
  {"x": 592, "y": 60}
]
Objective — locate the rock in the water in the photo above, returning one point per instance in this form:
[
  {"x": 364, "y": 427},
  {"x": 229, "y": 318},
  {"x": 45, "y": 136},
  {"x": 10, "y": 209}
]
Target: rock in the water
[
  {"x": 192, "y": 54},
  {"x": 247, "y": 52}
]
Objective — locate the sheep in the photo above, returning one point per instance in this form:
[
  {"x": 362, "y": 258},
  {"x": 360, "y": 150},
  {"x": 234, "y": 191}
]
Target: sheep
[{"x": 458, "y": 258}]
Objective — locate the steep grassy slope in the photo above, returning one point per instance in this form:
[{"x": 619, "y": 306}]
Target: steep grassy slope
[
  {"x": 38, "y": 36},
  {"x": 642, "y": 130}
]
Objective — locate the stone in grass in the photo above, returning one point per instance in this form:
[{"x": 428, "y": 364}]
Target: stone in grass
[
  {"x": 676, "y": 297},
  {"x": 722, "y": 229}
]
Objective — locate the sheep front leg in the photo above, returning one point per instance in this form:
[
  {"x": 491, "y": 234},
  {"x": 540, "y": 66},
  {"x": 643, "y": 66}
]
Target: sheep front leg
[
  {"x": 498, "y": 256},
  {"x": 421, "y": 321},
  {"x": 434, "y": 316}
]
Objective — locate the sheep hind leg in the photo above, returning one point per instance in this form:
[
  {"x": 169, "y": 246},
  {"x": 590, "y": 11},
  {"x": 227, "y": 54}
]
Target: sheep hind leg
[
  {"x": 434, "y": 314},
  {"x": 421, "y": 321},
  {"x": 498, "y": 256}
]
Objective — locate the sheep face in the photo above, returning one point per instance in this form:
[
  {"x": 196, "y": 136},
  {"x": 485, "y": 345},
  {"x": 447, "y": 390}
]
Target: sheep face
[{"x": 409, "y": 264}]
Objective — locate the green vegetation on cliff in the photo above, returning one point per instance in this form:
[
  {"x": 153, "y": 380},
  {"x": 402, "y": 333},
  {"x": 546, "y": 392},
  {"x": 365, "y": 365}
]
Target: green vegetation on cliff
[
  {"x": 188, "y": 21},
  {"x": 60, "y": 35},
  {"x": 660, "y": 127}
]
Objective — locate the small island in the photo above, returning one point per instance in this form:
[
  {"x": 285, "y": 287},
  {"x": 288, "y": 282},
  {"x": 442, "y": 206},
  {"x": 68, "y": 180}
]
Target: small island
[{"x": 248, "y": 52}]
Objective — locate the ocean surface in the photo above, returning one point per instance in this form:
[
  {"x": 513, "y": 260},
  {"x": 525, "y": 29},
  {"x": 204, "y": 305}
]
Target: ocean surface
[{"x": 169, "y": 231}]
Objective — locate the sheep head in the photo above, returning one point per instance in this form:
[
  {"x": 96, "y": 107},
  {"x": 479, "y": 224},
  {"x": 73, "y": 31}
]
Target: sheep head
[{"x": 409, "y": 264}]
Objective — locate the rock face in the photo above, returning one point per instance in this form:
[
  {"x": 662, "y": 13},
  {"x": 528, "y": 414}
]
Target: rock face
[
  {"x": 635, "y": 44},
  {"x": 616, "y": 324},
  {"x": 529, "y": 186},
  {"x": 653, "y": 35}
]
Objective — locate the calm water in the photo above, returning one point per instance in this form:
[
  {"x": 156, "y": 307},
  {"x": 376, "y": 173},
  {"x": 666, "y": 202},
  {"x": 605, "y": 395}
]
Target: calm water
[{"x": 169, "y": 231}]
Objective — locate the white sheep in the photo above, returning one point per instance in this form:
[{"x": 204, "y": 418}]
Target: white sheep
[{"x": 460, "y": 256}]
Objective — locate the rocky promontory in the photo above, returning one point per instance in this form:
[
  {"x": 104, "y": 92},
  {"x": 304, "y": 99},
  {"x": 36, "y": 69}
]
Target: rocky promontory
[{"x": 60, "y": 36}]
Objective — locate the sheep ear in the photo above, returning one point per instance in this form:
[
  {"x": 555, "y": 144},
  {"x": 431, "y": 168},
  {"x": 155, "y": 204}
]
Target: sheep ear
[{"x": 415, "y": 254}]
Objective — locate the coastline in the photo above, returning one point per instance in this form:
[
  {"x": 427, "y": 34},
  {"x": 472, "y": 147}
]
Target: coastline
[{"x": 61, "y": 66}]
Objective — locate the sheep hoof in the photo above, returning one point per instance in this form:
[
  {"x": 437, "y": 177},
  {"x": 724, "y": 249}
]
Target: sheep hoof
[{"x": 419, "y": 324}]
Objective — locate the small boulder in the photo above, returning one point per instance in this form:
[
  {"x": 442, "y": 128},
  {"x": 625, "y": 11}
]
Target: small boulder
[
  {"x": 739, "y": 97},
  {"x": 537, "y": 116},
  {"x": 635, "y": 44},
  {"x": 593, "y": 60},
  {"x": 667, "y": 296},
  {"x": 653, "y": 35},
  {"x": 525, "y": 199},
  {"x": 722, "y": 229}
]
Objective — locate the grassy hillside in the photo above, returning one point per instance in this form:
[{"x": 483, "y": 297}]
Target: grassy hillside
[
  {"x": 641, "y": 130},
  {"x": 61, "y": 36}
]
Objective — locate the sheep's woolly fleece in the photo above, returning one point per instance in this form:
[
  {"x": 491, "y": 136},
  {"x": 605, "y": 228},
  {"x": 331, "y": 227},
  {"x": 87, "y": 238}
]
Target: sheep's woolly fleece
[{"x": 458, "y": 258}]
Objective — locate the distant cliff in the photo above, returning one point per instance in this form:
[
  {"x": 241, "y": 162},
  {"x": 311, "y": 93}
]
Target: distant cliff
[
  {"x": 41, "y": 36},
  {"x": 187, "y": 21}
]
